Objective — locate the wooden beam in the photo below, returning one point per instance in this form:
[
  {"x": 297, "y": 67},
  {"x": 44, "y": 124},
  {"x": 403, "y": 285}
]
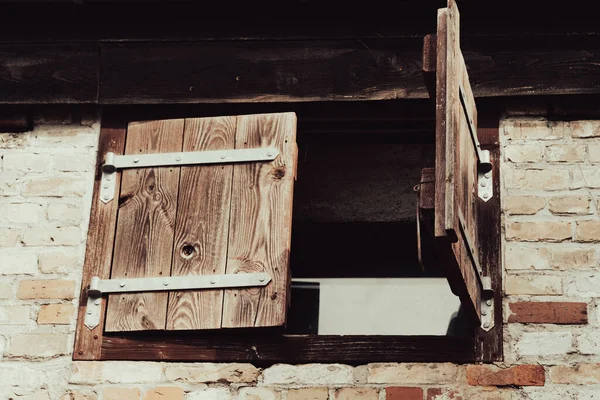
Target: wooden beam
[
  {"x": 65, "y": 73},
  {"x": 285, "y": 70},
  {"x": 268, "y": 347}
]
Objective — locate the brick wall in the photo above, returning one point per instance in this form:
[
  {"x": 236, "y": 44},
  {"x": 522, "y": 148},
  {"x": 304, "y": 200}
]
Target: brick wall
[{"x": 552, "y": 336}]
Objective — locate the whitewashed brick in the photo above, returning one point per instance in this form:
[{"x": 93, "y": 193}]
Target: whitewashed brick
[
  {"x": 594, "y": 152},
  {"x": 308, "y": 374},
  {"x": 520, "y": 257},
  {"x": 587, "y": 285},
  {"x": 537, "y": 179},
  {"x": 533, "y": 285},
  {"x": 58, "y": 262},
  {"x": 7, "y": 289},
  {"x": 14, "y": 315},
  {"x": 18, "y": 264},
  {"x": 58, "y": 314},
  {"x": 587, "y": 231},
  {"x": 58, "y": 186},
  {"x": 584, "y": 128},
  {"x": 566, "y": 152},
  {"x": 209, "y": 372},
  {"x": 64, "y": 213},
  {"x": 574, "y": 258},
  {"x": 524, "y": 205},
  {"x": 2, "y": 347},
  {"x": 210, "y": 394},
  {"x": 10, "y": 183},
  {"x": 409, "y": 374},
  {"x": 524, "y": 153},
  {"x": 533, "y": 129},
  {"x": 20, "y": 213},
  {"x": 541, "y": 230},
  {"x": 86, "y": 372},
  {"x": 46, "y": 289},
  {"x": 120, "y": 393},
  {"x": 588, "y": 342},
  {"x": 64, "y": 136},
  {"x": 570, "y": 205},
  {"x": 544, "y": 343},
  {"x": 9, "y": 236},
  {"x": 26, "y": 162},
  {"x": 591, "y": 177},
  {"x": 37, "y": 395},
  {"x": 73, "y": 162},
  {"x": 63, "y": 236},
  {"x": 38, "y": 345},
  {"x": 257, "y": 393}
]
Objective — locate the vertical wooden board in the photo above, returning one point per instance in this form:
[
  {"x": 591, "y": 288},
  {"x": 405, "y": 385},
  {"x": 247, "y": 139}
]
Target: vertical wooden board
[
  {"x": 98, "y": 256},
  {"x": 202, "y": 227},
  {"x": 145, "y": 227},
  {"x": 261, "y": 217}
]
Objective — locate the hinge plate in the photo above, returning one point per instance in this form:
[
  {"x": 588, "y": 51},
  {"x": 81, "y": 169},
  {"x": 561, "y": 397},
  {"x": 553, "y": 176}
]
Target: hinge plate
[
  {"x": 98, "y": 287},
  {"x": 113, "y": 162},
  {"x": 487, "y": 304}
]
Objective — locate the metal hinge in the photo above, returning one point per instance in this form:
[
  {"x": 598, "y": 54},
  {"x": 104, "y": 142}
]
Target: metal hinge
[
  {"x": 487, "y": 304},
  {"x": 98, "y": 287},
  {"x": 484, "y": 164},
  {"x": 113, "y": 162}
]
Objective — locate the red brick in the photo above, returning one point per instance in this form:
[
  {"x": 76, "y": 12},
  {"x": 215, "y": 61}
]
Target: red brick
[
  {"x": 548, "y": 312},
  {"x": 403, "y": 393},
  {"x": 443, "y": 394},
  {"x": 520, "y": 375}
]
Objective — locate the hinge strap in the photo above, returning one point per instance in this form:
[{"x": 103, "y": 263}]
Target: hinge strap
[
  {"x": 113, "y": 162},
  {"x": 484, "y": 164},
  {"x": 98, "y": 287}
]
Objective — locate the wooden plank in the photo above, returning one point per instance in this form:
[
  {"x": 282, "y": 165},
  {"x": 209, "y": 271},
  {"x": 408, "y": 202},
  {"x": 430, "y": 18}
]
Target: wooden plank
[
  {"x": 429, "y": 63},
  {"x": 145, "y": 226},
  {"x": 100, "y": 239},
  {"x": 489, "y": 345},
  {"x": 456, "y": 166},
  {"x": 265, "y": 348},
  {"x": 59, "y": 73},
  {"x": 261, "y": 221},
  {"x": 260, "y": 71},
  {"x": 202, "y": 228}
]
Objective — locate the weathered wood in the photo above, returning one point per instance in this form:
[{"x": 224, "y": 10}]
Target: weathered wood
[
  {"x": 429, "y": 63},
  {"x": 456, "y": 166},
  {"x": 98, "y": 256},
  {"x": 202, "y": 228},
  {"x": 259, "y": 72},
  {"x": 489, "y": 345},
  {"x": 264, "y": 348},
  {"x": 145, "y": 226},
  {"x": 261, "y": 221},
  {"x": 59, "y": 73}
]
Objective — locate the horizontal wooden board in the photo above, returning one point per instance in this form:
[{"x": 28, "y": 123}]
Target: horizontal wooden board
[
  {"x": 53, "y": 73},
  {"x": 263, "y": 348}
]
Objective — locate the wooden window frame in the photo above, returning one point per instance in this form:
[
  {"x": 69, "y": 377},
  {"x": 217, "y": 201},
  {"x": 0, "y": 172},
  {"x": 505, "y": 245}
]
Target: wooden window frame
[{"x": 267, "y": 346}]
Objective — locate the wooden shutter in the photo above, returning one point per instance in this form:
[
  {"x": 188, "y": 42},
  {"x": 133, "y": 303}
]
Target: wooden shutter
[
  {"x": 456, "y": 166},
  {"x": 204, "y": 220}
]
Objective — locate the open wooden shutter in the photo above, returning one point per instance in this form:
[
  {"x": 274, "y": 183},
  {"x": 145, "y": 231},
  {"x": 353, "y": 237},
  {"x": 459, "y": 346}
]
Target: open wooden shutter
[
  {"x": 462, "y": 169},
  {"x": 205, "y": 220}
]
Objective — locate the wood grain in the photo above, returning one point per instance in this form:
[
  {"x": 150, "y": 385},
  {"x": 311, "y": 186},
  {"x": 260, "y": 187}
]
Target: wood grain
[
  {"x": 266, "y": 348},
  {"x": 59, "y": 73},
  {"x": 261, "y": 219},
  {"x": 101, "y": 234},
  {"x": 145, "y": 226},
  {"x": 456, "y": 166},
  {"x": 202, "y": 228}
]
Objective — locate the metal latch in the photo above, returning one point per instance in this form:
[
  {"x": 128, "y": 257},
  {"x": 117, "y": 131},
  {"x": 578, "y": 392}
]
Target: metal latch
[
  {"x": 113, "y": 162},
  {"x": 98, "y": 287},
  {"x": 484, "y": 164}
]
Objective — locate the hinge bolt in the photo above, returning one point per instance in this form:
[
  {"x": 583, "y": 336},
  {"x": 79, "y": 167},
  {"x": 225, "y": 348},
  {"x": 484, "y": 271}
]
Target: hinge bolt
[
  {"x": 178, "y": 158},
  {"x": 486, "y": 325},
  {"x": 122, "y": 284},
  {"x": 89, "y": 312},
  {"x": 261, "y": 279},
  {"x": 487, "y": 175},
  {"x": 269, "y": 154},
  {"x": 136, "y": 160},
  {"x": 488, "y": 302},
  {"x": 97, "y": 302},
  {"x": 106, "y": 197},
  {"x": 105, "y": 187},
  {"x": 485, "y": 195},
  {"x": 483, "y": 183},
  {"x": 483, "y": 312},
  {"x": 109, "y": 177},
  {"x": 166, "y": 283},
  {"x": 213, "y": 281},
  {"x": 222, "y": 156}
]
